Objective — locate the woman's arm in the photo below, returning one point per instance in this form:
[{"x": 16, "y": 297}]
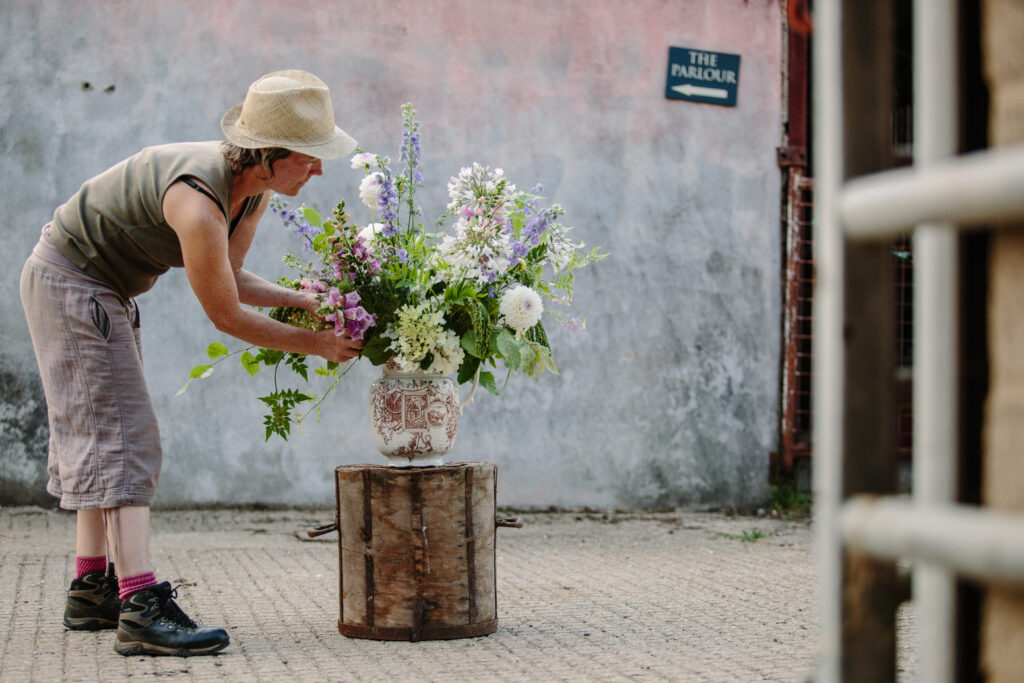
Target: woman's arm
[
  {"x": 252, "y": 289},
  {"x": 208, "y": 264},
  {"x": 255, "y": 291}
]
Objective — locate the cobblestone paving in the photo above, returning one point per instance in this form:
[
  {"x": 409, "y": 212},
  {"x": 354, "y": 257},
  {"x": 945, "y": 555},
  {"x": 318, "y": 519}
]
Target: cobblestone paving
[{"x": 581, "y": 597}]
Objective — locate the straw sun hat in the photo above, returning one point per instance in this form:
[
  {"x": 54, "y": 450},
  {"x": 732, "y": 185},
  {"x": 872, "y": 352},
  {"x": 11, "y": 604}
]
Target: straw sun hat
[{"x": 290, "y": 109}]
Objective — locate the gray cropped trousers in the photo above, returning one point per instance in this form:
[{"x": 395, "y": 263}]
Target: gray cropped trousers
[{"x": 104, "y": 448}]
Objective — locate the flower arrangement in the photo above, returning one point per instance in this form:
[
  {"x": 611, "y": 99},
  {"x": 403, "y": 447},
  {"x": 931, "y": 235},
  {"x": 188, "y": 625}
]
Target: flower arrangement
[{"x": 453, "y": 300}]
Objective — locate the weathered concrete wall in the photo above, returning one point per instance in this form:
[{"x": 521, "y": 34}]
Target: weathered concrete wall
[{"x": 667, "y": 399}]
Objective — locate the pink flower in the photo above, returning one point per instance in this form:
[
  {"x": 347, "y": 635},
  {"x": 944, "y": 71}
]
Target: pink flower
[
  {"x": 350, "y": 300},
  {"x": 309, "y": 285},
  {"x": 334, "y": 297}
]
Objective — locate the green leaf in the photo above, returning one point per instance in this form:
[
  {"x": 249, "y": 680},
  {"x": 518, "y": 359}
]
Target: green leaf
[
  {"x": 538, "y": 334},
  {"x": 312, "y": 217},
  {"x": 487, "y": 382},
  {"x": 529, "y": 359},
  {"x": 216, "y": 350},
  {"x": 469, "y": 344},
  {"x": 545, "y": 359},
  {"x": 376, "y": 350},
  {"x": 249, "y": 363},
  {"x": 270, "y": 356},
  {"x": 201, "y": 371},
  {"x": 509, "y": 350},
  {"x": 297, "y": 362},
  {"x": 468, "y": 369}
]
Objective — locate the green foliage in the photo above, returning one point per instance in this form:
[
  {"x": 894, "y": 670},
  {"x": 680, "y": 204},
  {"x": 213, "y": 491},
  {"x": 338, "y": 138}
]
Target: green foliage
[
  {"x": 749, "y": 536},
  {"x": 216, "y": 350},
  {"x": 281, "y": 404},
  {"x": 250, "y": 363},
  {"x": 377, "y": 350},
  {"x": 297, "y": 362},
  {"x": 487, "y": 382},
  {"x": 470, "y": 364},
  {"x": 538, "y": 334},
  {"x": 789, "y": 501}
]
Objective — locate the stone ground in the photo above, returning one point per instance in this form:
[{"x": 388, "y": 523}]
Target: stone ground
[{"x": 586, "y": 596}]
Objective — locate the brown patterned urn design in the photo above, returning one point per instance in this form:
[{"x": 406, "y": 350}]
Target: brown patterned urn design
[{"x": 414, "y": 416}]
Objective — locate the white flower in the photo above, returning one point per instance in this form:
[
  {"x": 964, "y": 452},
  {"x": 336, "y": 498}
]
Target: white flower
[
  {"x": 368, "y": 189},
  {"x": 363, "y": 160},
  {"x": 370, "y": 232},
  {"x": 521, "y": 308},
  {"x": 448, "y": 354},
  {"x": 477, "y": 186}
]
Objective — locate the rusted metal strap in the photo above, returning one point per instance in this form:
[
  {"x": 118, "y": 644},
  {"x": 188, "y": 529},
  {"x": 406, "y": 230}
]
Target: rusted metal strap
[
  {"x": 419, "y": 532},
  {"x": 322, "y": 529},
  {"x": 470, "y": 547},
  {"x": 366, "y": 533},
  {"x": 494, "y": 546},
  {"x": 341, "y": 565}
]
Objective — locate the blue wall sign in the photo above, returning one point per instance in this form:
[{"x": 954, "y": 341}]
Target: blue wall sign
[{"x": 702, "y": 76}]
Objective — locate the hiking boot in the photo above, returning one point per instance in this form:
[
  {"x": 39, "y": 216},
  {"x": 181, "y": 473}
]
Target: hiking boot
[
  {"x": 152, "y": 624},
  {"x": 92, "y": 602}
]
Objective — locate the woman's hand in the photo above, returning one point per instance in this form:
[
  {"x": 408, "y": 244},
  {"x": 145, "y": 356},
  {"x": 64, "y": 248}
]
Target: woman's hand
[
  {"x": 336, "y": 347},
  {"x": 310, "y": 302}
]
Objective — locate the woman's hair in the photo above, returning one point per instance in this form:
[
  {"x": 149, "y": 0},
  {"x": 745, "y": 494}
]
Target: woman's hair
[{"x": 239, "y": 158}]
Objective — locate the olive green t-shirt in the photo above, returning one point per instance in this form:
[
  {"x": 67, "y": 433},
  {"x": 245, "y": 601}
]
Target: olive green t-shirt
[{"x": 114, "y": 229}]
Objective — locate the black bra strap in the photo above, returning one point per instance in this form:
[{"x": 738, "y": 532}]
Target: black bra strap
[{"x": 195, "y": 186}]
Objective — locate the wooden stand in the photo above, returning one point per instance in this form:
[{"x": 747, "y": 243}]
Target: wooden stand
[{"x": 417, "y": 551}]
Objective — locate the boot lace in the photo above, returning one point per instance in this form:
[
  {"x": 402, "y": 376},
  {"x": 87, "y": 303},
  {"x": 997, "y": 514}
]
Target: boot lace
[{"x": 170, "y": 610}]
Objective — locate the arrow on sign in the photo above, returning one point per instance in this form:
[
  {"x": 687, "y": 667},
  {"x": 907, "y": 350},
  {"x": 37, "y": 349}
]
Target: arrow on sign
[{"x": 690, "y": 89}]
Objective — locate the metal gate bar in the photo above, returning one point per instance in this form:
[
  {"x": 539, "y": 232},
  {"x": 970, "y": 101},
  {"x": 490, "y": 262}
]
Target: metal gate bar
[
  {"x": 936, "y": 287},
  {"x": 980, "y": 544},
  {"x": 972, "y": 190},
  {"x": 828, "y": 331}
]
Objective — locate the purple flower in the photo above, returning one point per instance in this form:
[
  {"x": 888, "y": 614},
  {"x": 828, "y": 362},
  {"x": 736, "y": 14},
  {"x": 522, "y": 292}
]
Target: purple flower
[
  {"x": 402, "y": 255},
  {"x": 387, "y": 202},
  {"x": 357, "y": 321},
  {"x": 519, "y": 250},
  {"x": 351, "y": 300},
  {"x": 334, "y": 297},
  {"x": 294, "y": 222},
  {"x": 575, "y": 324}
]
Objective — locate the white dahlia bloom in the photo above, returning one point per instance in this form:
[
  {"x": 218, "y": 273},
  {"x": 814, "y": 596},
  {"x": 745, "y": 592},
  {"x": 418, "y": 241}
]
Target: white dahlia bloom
[
  {"x": 363, "y": 160},
  {"x": 521, "y": 308},
  {"x": 368, "y": 189}
]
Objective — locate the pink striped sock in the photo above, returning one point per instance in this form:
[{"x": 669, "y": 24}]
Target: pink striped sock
[
  {"x": 84, "y": 565},
  {"x": 127, "y": 585}
]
